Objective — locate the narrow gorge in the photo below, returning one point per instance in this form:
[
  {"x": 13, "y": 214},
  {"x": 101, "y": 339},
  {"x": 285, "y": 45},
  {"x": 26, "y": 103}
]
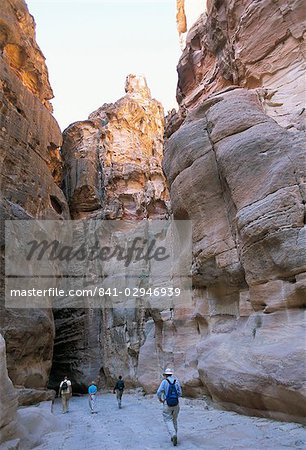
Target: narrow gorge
[{"x": 230, "y": 161}]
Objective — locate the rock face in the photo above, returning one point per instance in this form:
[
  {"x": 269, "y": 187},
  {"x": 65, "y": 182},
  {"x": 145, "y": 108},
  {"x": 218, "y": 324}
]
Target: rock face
[
  {"x": 26, "y": 427},
  {"x": 8, "y": 399},
  {"x": 21, "y": 52},
  {"x": 244, "y": 178},
  {"x": 240, "y": 177},
  {"x": 113, "y": 160},
  {"x": 259, "y": 368},
  {"x": 30, "y": 173},
  {"x": 187, "y": 12},
  {"x": 112, "y": 171},
  {"x": 224, "y": 48},
  {"x": 235, "y": 164}
]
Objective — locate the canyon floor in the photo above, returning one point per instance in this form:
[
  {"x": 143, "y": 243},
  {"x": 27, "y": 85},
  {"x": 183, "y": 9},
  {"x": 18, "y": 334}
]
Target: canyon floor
[{"x": 139, "y": 426}]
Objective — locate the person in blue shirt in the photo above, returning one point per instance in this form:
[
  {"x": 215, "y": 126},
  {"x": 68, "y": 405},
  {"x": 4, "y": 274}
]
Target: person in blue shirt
[
  {"x": 92, "y": 391},
  {"x": 170, "y": 413}
]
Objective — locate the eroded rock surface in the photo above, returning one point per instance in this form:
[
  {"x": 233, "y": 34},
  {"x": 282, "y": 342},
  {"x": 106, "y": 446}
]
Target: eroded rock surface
[
  {"x": 240, "y": 178},
  {"x": 259, "y": 368},
  {"x": 30, "y": 173},
  {"x": 236, "y": 165},
  {"x": 112, "y": 171},
  {"x": 21, "y": 52},
  {"x": 113, "y": 160},
  {"x": 253, "y": 45},
  {"x": 187, "y": 12}
]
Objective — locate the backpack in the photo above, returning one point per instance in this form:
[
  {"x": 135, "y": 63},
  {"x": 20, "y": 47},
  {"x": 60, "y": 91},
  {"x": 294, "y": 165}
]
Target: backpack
[
  {"x": 172, "y": 395},
  {"x": 64, "y": 386},
  {"x": 120, "y": 385}
]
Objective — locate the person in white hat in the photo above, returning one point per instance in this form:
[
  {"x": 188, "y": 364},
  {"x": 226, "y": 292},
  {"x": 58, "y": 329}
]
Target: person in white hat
[{"x": 168, "y": 393}]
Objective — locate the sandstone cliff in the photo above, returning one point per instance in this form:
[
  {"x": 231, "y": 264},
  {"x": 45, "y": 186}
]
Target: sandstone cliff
[
  {"x": 252, "y": 45},
  {"x": 113, "y": 160},
  {"x": 235, "y": 165},
  {"x": 30, "y": 172},
  {"x": 244, "y": 178},
  {"x": 23, "y": 428},
  {"x": 112, "y": 171},
  {"x": 21, "y": 52},
  {"x": 235, "y": 162},
  {"x": 187, "y": 12}
]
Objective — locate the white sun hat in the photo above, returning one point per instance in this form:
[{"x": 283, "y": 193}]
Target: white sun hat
[{"x": 168, "y": 371}]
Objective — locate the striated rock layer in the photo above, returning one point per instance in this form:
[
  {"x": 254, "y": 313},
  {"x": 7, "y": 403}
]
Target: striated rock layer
[
  {"x": 240, "y": 177},
  {"x": 112, "y": 171},
  {"x": 233, "y": 170},
  {"x": 113, "y": 160},
  {"x": 253, "y": 45},
  {"x": 30, "y": 173}
]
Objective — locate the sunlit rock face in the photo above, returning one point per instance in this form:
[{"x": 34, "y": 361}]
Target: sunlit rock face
[
  {"x": 113, "y": 160},
  {"x": 236, "y": 166},
  {"x": 21, "y": 52},
  {"x": 112, "y": 171},
  {"x": 251, "y": 44},
  {"x": 187, "y": 12},
  {"x": 30, "y": 173}
]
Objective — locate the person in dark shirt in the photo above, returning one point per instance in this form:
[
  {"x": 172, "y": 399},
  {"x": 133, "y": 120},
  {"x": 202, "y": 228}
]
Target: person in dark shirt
[
  {"x": 118, "y": 390},
  {"x": 65, "y": 392}
]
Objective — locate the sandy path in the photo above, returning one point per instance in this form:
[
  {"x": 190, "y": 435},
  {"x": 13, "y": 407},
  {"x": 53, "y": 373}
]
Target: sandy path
[{"x": 139, "y": 426}]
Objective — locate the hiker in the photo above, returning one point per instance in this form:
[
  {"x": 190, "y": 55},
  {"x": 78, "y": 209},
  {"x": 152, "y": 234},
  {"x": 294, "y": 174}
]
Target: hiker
[
  {"x": 92, "y": 390},
  {"x": 168, "y": 393},
  {"x": 65, "y": 391},
  {"x": 118, "y": 389}
]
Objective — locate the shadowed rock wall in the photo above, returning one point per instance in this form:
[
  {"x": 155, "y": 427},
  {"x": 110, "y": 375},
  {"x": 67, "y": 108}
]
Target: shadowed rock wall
[
  {"x": 240, "y": 178},
  {"x": 30, "y": 173}
]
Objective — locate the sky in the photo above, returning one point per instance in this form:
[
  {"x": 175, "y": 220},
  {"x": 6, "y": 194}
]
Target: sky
[{"x": 92, "y": 45}]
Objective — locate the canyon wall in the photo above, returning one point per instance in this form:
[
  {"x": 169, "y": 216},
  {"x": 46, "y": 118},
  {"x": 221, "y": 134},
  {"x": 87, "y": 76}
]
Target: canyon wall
[
  {"x": 30, "y": 175},
  {"x": 235, "y": 162},
  {"x": 253, "y": 45},
  {"x": 112, "y": 171},
  {"x": 240, "y": 178},
  {"x": 187, "y": 12}
]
